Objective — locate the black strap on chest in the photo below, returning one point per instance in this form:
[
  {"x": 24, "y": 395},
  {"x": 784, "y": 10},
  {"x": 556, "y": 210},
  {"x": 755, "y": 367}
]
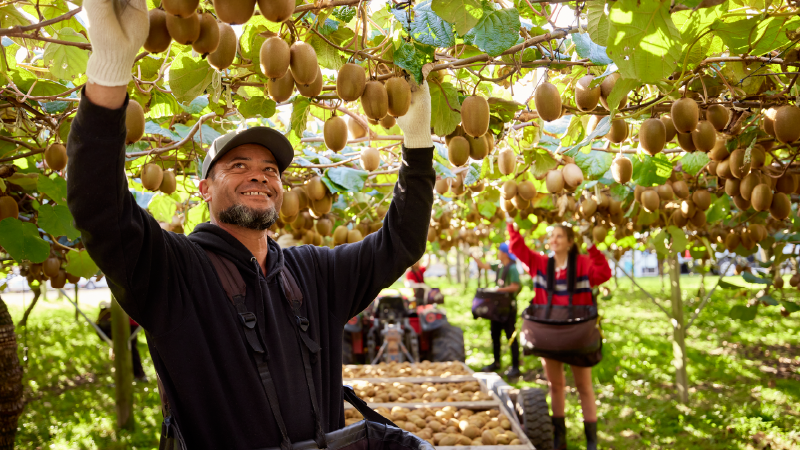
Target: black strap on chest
[
  {"x": 236, "y": 289},
  {"x": 502, "y": 275},
  {"x": 572, "y": 261}
]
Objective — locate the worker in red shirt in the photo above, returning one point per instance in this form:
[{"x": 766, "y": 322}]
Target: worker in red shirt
[{"x": 416, "y": 273}]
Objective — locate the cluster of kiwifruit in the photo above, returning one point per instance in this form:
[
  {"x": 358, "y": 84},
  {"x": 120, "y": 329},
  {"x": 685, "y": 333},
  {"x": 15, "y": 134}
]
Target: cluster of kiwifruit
[
  {"x": 288, "y": 67},
  {"x": 51, "y": 270},
  {"x": 405, "y": 369},
  {"x": 406, "y": 392},
  {"x": 472, "y": 139},
  {"x": 456, "y": 185},
  {"x": 154, "y": 178},
  {"x": 783, "y": 123},
  {"x": 748, "y": 236},
  {"x": 683, "y": 207},
  {"x": 449, "y": 426},
  {"x": 549, "y": 106}
]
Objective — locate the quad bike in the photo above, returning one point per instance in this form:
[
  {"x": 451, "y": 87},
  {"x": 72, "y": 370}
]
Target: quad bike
[{"x": 399, "y": 328}]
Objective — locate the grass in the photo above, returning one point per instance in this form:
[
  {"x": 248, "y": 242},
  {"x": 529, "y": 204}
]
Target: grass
[{"x": 744, "y": 376}]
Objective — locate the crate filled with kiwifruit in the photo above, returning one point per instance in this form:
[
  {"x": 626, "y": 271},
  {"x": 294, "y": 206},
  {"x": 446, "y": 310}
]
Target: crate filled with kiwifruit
[
  {"x": 424, "y": 369},
  {"x": 425, "y": 392}
]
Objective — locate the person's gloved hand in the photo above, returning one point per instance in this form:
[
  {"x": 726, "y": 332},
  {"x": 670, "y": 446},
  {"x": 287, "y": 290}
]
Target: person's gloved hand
[
  {"x": 117, "y": 30},
  {"x": 416, "y": 124}
]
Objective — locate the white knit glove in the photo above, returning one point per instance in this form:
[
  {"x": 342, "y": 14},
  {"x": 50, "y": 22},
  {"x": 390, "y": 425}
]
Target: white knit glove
[
  {"x": 117, "y": 30},
  {"x": 416, "y": 124}
]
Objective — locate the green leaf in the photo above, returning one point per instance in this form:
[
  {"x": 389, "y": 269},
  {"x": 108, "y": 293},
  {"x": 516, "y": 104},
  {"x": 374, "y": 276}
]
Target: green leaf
[
  {"x": 768, "y": 36},
  {"x": 790, "y": 307},
  {"x": 679, "y": 240},
  {"x": 430, "y": 29},
  {"x": 57, "y": 220},
  {"x": 659, "y": 241},
  {"x": 195, "y": 216},
  {"x": 443, "y": 119},
  {"x": 768, "y": 299},
  {"x": 163, "y": 207},
  {"x": 642, "y": 39},
  {"x": 588, "y": 49},
  {"x": 692, "y": 163},
  {"x": 621, "y": 88},
  {"x": 719, "y": 209},
  {"x": 651, "y": 171},
  {"x": 327, "y": 56},
  {"x": 487, "y": 209},
  {"x": 598, "y": 21},
  {"x": 602, "y": 129},
  {"x": 81, "y": 264},
  {"x": 735, "y": 32},
  {"x": 505, "y": 109},
  {"x": 350, "y": 180},
  {"x": 299, "y": 118},
  {"x": 251, "y": 39},
  {"x": 473, "y": 174},
  {"x": 463, "y": 14},
  {"x": 750, "y": 278},
  {"x": 725, "y": 285},
  {"x": 743, "y": 313},
  {"x": 22, "y": 241},
  {"x": 407, "y": 57},
  {"x": 66, "y": 61},
  {"x": 189, "y": 77},
  {"x": 26, "y": 181},
  {"x": 542, "y": 163},
  {"x": 163, "y": 105},
  {"x": 55, "y": 188},
  {"x": 257, "y": 106},
  {"x": 10, "y": 16},
  {"x": 593, "y": 164},
  {"x": 496, "y": 32}
]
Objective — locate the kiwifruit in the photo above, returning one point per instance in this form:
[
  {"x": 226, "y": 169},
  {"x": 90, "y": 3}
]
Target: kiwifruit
[
  {"x": 274, "y": 57},
  {"x": 315, "y": 188},
  {"x": 711, "y": 168},
  {"x": 573, "y": 176},
  {"x": 687, "y": 208},
  {"x": 686, "y": 142},
  {"x": 180, "y": 8},
  {"x": 761, "y": 197},
  {"x": 388, "y": 121},
  {"x": 507, "y": 161},
  {"x": 769, "y": 180},
  {"x": 525, "y": 189},
  {"x": 354, "y": 236},
  {"x": 741, "y": 203},
  {"x": 51, "y": 266},
  {"x": 168, "y": 183},
  {"x": 520, "y": 203},
  {"x": 652, "y": 136},
  {"x": 621, "y": 169},
  {"x": 322, "y": 206},
  {"x": 680, "y": 189},
  {"x": 478, "y": 186},
  {"x": 458, "y": 131},
  {"x": 303, "y": 61},
  {"x": 158, "y": 38},
  {"x": 291, "y": 203},
  {"x": 370, "y": 159},
  {"x": 732, "y": 186},
  {"x": 56, "y": 156},
  {"x": 475, "y": 115},
  {"x": 350, "y": 82},
  {"x": 678, "y": 220},
  {"x": 8, "y": 208},
  {"x": 223, "y": 56},
  {"x": 281, "y": 89},
  {"x": 787, "y": 124},
  {"x": 151, "y": 176},
  {"x": 399, "y": 94},
  {"x": 184, "y": 30},
  {"x": 372, "y": 121},
  {"x": 768, "y": 121},
  {"x": 340, "y": 235},
  {"x": 234, "y": 12},
  {"x": 324, "y": 226},
  {"x": 719, "y": 152},
  {"x": 618, "y": 132},
  {"x": 698, "y": 219},
  {"x": 134, "y": 122},
  {"x": 739, "y": 167},
  {"x": 547, "y": 101},
  {"x": 758, "y": 157},
  {"x": 554, "y": 181},
  {"x": 685, "y": 115},
  {"x": 375, "y": 100},
  {"x": 441, "y": 186},
  {"x": 60, "y": 280},
  {"x": 602, "y": 201},
  {"x": 665, "y": 192},
  {"x": 458, "y": 151},
  {"x": 758, "y": 231},
  {"x": 702, "y": 200},
  {"x": 510, "y": 188},
  {"x": 704, "y": 136},
  {"x": 588, "y": 208},
  {"x": 591, "y": 124},
  {"x": 599, "y": 233},
  {"x": 781, "y": 206},
  {"x": 669, "y": 126},
  {"x": 478, "y": 146},
  {"x": 208, "y": 41},
  {"x": 724, "y": 169},
  {"x": 586, "y": 98},
  {"x": 718, "y": 116},
  {"x": 276, "y": 10},
  {"x": 749, "y": 182},
  {"x": 356, "y": 130},
  {"x": 650, "y": 200},
  {"x": 335, "y": 133},
  {"x": 72, "y": 278},
  {"x": 787, "y": 183},
  {"x": 778, "y": 281},
  {"x": 607, "y": 86},
  {"x": 732, "y": 241}
]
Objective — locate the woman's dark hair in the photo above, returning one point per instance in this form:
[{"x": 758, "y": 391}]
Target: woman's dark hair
[{"x": 569, "y": 232}]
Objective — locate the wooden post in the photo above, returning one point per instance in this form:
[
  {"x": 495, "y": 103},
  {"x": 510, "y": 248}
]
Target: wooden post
[
  {"x": 458, "y": 264},
  {"x": 447, "y": 265},
  {"x": 123, "y": 366},
  {"x": 76, "y": 301},
  {"x": 633, "y": 269},
  {"x": 678, "y": 331}
]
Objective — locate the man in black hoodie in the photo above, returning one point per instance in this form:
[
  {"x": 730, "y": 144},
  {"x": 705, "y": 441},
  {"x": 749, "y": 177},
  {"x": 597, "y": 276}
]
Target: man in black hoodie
[{"x": 166, "y": 282}]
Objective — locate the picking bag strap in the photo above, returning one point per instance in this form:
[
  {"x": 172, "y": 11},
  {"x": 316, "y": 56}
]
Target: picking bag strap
[
  {"x": 361, "y": 406},
  {"x": 550, "y": 285}
]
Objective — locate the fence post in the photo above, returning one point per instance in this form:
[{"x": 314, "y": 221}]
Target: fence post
[
  {"x": 678, "y": 330},
  {"x": 123, "y": 366}
]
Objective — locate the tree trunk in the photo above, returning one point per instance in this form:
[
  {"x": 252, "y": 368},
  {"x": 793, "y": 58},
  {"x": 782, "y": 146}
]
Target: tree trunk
[
  {"x": 76, "y": 302},
  {"x": 458, "y": 265},
  {"x": 633, "y": 270},
  {"x": 678, "y": 331},
  {"x": 11, "y": 402},
  {"x": 447, "y": 266},
  {"x": 36, "y": 294},
  {"x": 123, "y": 366}
]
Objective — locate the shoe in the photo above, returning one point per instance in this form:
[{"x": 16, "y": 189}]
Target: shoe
[
  {"x": 493, "y": 367},
  {"x": 559, "y": 433},
  {"x": 590, "y": 429},
  {"x": 513, "y": 373}
]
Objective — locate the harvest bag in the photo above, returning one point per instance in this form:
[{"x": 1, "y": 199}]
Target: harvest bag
[
  {"x": 493, "y": 305},
  {"x": 567, "y": 333}
]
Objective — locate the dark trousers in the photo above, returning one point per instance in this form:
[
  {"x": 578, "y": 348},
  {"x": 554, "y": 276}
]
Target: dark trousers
[
  {"x": 138, "y": 370},
  {"x": 497, "y": 328}
]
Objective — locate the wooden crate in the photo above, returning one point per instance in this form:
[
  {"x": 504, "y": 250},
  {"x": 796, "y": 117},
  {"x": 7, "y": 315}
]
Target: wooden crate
[{"x": 451, "y": 379}]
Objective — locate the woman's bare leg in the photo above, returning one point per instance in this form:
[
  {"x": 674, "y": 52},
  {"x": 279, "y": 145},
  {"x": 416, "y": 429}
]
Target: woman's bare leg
[
  {"x": 554, "y": 370},
  {"x": 583, "y": 381}
]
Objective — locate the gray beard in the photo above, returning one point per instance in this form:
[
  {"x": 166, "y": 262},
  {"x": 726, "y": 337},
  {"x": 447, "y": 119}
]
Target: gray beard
[{"x": 243, "y": 216}]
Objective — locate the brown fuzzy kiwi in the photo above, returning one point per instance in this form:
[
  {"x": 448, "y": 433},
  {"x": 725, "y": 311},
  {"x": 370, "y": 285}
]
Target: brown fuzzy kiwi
[
  {"x": 324, "y": 226},
  {"x": 621, "y": 169},
  {"x": 335, "y": 133},
  {"x": 718, "y": 116},
  {"x": 591, "y": 124},
  {"x": 686, "y": 142},
  {"x": 768, "y": 121},
  {"x": 758, "y": 231},
  {"x": 282, "y": 88},
  {"x": 652, "y": 136},
  {"x": 650, "y": 200},
  {"x": 158, "y": 38},
  {"x": 56, "y": 156},
  {"x": 678, "y": 220},
  {"x": 291, "y": 203},
  {"x": 475, "y": 115},
  {"x": 520, "y": 203},
  {"x": 350, "y": 82},
  {"x": 399, "y": 93},
  {"x": 787, "y": 183},
  {"x": 698, "y": 219},
  {"x": 276, "y": 10},
  {"x": 168, "y": 184},
  {"x": 507, "y": 161},
  {"x": 665, "y": 192},
  {"x": 554, "y": 181},
  {"x": 787, "y": 124},
  {"x": 313, "y": 89},
  {"x": 8, "y": 208},
  {"x": 685, "y": 115},
  {"x": 637, "y": 193},
  {"x": 720, "y": 151},
  {"x": 680, "y": 189},
  {"x": 274, "y": 57},
  {"x": 60, "y": 280},
  {"x": 354, "y": 236},
  {"x": 387, "y": 122},
  {"x": 547, "y": 100},
  {"x": 669, "y": 126},
  {"x": 607, "y": 86},
  {"x": 134, "y": 122},
  {"x": 740, "y": 167},
  {"x": 51, "y": 266},
  {"x": 180, "y": 8},
  {"x": 340, "y": 235},
  {"x": 711, "y": 168},
  {"x": 747, "y": 185},
  {"x": 588, "y": 208},
  {"x": 618, "y": 132},
  {"x": 732, "y": 186},
  {"x": 781, "y": 206},
  {"x": 151, "y": 177},
  {"x": 458, "y": 151},
  {"x": 704, "y": 136},
  {"x": 303, "y": 62},
  {"x": 724, "y": 169},
  {"x": 370, "y": 159},
  {"x": 375, "y": 100},
  {"x": 687, "y": 208},
  {"x": 573, "y": 176},
  {"x": 356, "y": 130},
  {"x": 586, "y": 98},
  {"x": 478, "y": 146},
  {"x": 526, "y": 189},
  {"x": 732, "y": 241},
  {"x": 223, "y": 56},
  {"x": 234, "y": 12},
  {"x": 510, "y": 188},
  {"x": 702, "y": 200},
  {"x": 322, "y": 206},
  {"x": 761, "y": 197},
  {"x": 315, "y": 188},
  {"x": 457, "y": 132},
  {"x": 478, "y": 186},
  {"x": 184, "y": 30},
  {"x": 758, "y": 156},
  {"x": 208, "y": 41},
  {"x": 741, "y": 203},
  {"x": 441, "y": 186}
]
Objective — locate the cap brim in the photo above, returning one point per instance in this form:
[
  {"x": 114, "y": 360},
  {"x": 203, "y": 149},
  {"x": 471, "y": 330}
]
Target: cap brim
[{"x": 269, "y": 138}]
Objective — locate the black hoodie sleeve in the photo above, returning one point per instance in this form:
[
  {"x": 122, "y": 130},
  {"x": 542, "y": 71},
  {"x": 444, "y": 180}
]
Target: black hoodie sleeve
[{"x": 357, "y": 272}]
